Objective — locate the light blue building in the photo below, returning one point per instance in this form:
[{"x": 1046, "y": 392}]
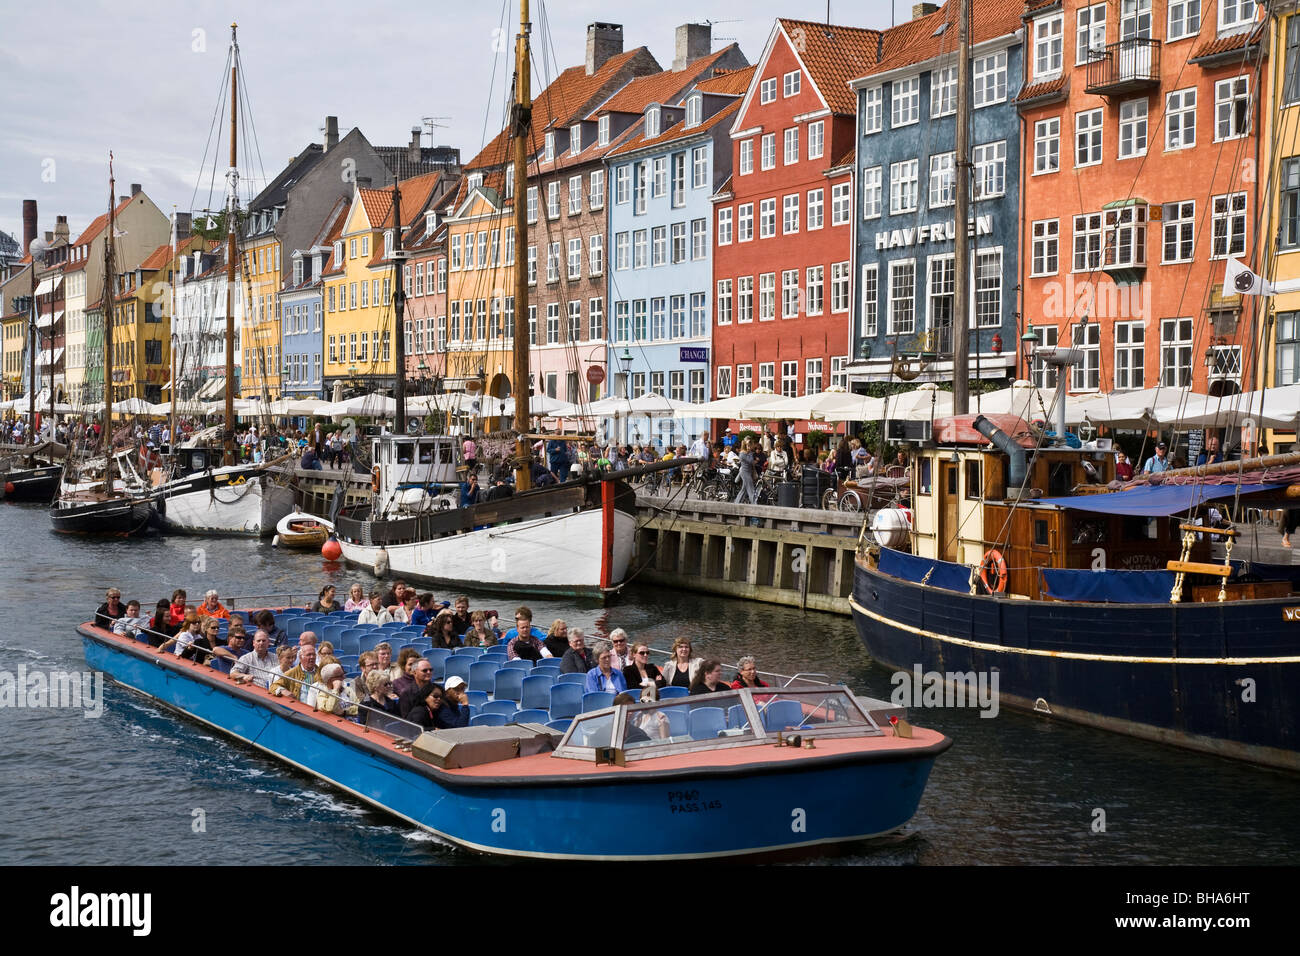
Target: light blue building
[
  {"x": 661, "y": 244},
  {"x": 302, "y": 301}
]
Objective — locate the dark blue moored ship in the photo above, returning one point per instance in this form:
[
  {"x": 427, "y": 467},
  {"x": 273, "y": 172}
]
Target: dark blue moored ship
[{"x": 1095, "y": 606}]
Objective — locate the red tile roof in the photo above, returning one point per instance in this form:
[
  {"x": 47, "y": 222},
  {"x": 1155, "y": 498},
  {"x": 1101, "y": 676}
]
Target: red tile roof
[
  {"x": 834, "y": 55},
  {"x": 378, "y": 203},
  {"x": 677, "y": 131},
  {"x": 1237, "y": 41},
  {"x": 916, "y": 41},
  {"x": 1059, "y": 85},
  {"x": 664, "y": 87},
  {"x": 99, "y": 222},
  {"x": 727, "y": 82}
]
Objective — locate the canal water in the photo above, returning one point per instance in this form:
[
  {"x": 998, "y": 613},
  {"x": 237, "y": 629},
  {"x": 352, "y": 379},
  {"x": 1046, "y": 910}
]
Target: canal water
[{"x": 130, "y": 785}]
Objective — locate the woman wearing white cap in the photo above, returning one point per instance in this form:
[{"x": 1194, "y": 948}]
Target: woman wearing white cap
[{"x": 454, "y": 711}]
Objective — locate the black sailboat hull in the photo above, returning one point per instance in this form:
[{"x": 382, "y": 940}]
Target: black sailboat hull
[
  {"x": 32, "y": 484},
  {"x": 1217, "y": 678},
  {"x": 116, "y": 516}
]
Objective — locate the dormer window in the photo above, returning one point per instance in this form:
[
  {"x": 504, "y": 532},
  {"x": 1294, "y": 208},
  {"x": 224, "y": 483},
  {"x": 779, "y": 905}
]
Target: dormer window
[
  {"x": 548, "y": 156},
  {"x": 338, "y": 251},
  {"x": 651, "y": 122},
  {"x": 297, "y": 268},
  {"x": 694, "y": 110},
  {"x": 388, "y": 244},
  {"x": 315, "y": 267},
  {"x": 510, "y": 180},
  {"x": 475, "y": 181},
  {"x": 602, "y": 131},
  {"x": 575, "y": 139},
  {"x": 430, "y": 222}
]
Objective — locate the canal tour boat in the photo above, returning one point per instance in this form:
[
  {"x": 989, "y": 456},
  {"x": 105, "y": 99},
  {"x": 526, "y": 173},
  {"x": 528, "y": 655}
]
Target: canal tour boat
[
  {"x": 732, "y": 774},
  {"x": 1094, "y": 602}
]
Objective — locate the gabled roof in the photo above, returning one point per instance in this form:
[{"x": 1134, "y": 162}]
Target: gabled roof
[
  {"x": 678, "y": 131},
  {"x": 277, "y": 190},
  {"x": 664, "y": 87},
  {"x": 97, "y": 225},
  {"x": 935, "y": 34},
  {"x": 378, "y": 203},
  {"x": 833, "y": 55},
  {"x": 727, "y": 82}
]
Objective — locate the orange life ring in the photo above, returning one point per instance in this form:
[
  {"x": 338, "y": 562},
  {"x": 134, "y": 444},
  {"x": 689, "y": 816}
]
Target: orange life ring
[
  {"x": 994, "y": 562},
  {"x": 374, "y": 478}
]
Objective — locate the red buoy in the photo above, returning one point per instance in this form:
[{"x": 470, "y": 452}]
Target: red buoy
[
  {"x": 331, "y": 550},
  {"x": 9, "y": 487}
]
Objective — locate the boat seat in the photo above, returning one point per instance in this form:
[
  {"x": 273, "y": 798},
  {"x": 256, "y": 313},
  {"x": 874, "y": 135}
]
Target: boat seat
[
  {"x": 530, "y": 716},
  {"x": 736, "y": 717},
  {"x": 506, "y": 707},
  {"x": 520, "y": 663},
  {"x": 481, "y": 675},
  {"x": 488, "y": 720},
  {"x": 672, "y": 690},
  {"x": 565, "y": 700},
  {"x": 574, "y": 678},
  {"x": 455, "y": 666},
  {"x": 476, "y": 698},
  {"x": 596, "y": 700},
  {"x": 560, "y": 724},
  {"x": 509, "y": 684},
  {"x": 707, "y": 722},
  {"x": 781, "y": 714},
  {"x": 537, "y": 691}
]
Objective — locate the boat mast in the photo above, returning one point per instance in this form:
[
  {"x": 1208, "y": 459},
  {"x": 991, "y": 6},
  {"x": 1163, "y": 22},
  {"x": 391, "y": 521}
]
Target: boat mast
[
  {"x": 232, "y": 199},
  {"x": 33, "y": 340},
  {"x": 521, "y": 131},
  {"x": 171, "y": 342},
  {"x": 108, "y": 303},
  {"x": 961, "y": 252},
  {"x": 399, "y": 312}
]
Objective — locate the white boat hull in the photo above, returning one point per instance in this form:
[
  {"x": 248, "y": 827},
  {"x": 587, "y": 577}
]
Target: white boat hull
[
  {"x": 557, "y": 555},
  {"x": 222, "y": 508}
]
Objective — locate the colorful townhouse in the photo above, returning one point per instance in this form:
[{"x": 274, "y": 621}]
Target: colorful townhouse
[
  {"x": 425, "y": 275},
  {"x": 664, "y": 175},
  {"x": 1140, "y": 156},
  {"x": 51, "y": 311},
  {"x": 905, "y": 231},
  {"x": 303, "y": 303},
  {"x": 200, "y": 323},
  {"x": 783, "y": 225}
]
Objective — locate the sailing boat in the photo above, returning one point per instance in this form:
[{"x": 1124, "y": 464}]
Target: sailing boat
[
  {"x": 90, "y": 499},
  {"x": 573, "y": 539}
]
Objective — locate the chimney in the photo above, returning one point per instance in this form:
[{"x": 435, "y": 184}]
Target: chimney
[
  {"x": 29, "y": 224},
  {"x": 363, "y": 182},
  {"x": 694, "y": 40},
  {"x": 61, "y": 230},
  {"x": 603, "y": 41},
  {"x": 49, "y": 238},
  {"x": 923, "y": 10},
  {"x": 122, "y": 199},
  {"x": 413, "y": 150},
  {"x": 184, "y": 225},
  {"x": 331, "y": 132},
  {"x": 135, "y": 189}
]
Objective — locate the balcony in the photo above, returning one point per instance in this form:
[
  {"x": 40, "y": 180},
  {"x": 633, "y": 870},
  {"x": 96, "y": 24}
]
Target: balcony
[{"x": 1125, "y": 67}]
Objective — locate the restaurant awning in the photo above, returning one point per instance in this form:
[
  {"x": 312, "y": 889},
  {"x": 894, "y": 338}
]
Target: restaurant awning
[
  {"x": 45, "y": 321},
  {"x": 1153, "y": 501},
  {"x": 44, "y": 358},
  {"x": 49, "y": 284}
]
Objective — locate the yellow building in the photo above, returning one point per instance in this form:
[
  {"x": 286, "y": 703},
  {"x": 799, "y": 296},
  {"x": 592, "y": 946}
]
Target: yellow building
[
  {"x": 261, "y": 332},
  {"x": 142, "y": 330},
  {"x": 358, "y": 287},
  {"x": 15, "y": 340}
]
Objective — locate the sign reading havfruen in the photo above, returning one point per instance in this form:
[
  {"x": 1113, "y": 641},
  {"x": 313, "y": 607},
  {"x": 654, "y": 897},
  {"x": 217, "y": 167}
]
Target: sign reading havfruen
[
  {"x": 690, "y": 353},
  {"x": 934, "y": 232}
]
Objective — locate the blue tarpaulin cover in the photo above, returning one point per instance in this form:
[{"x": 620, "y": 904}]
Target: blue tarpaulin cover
[
  {"x": 946, "y": 575},
  {"x": 1111, "y": 587},
  {"x": 1153, "y": 501}
]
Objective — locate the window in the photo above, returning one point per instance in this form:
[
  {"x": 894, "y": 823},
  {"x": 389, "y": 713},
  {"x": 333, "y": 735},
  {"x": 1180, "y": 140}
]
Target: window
[
  {"x": 575, "y": 320},
  {"x": 1231, "y": 107},
  {"x": 903, "y": 186},
  {"x": 1087, "y": 242},
  {"x": 596, "y": 318},
  {"x": 1046, "y": 247},
  {"x": 639, "y": 320},
  {"x": 597, "y": 196},
  {"x": 905, "y": 102},
  {"x": 1184, "y": 19},
  {"x": 699, "y": 239},
  {"x": 1085, "y": 376},
  {"x": 745, "y": 299},
  {"x": 531, "y": 206},
  {"x": 553, "y": 323},
  {"x": 1130, "y": 354},
  {"x": 658, "y": 245},
  {"x": 549, "y": 153},
  {"x": 988, "y": 288},
  {"x": 791, "y": 138},
  {"x": 1179, "y": 222},
  {"x": 697, "y": 385},
  {"x": 744, "y": 379},
  {"x": 767, "y": 90},
  {"x": 455, "y": 319},
  {"x": 816, "y": 290},
  {"x": 1288, "y": 348},
  {"x": 553, "y": 200},
  {"x": 1291, "y": 66},
  {"x": 1176, "y": 353},
  {"x": 638, "y": 249},
  {"x": 553, "y": 262},
  {"x": 942, "y": 184},
  {"x": 767, "y": 297},
  {"x": 595, "y": 255},
  {"x": 455, "y": 252},
  {"x": 699, "y": 316},
  {"x": 1289, "y": 233},
  {"x": 1087, "y": 137},
  {"x": 694, "y": 110},
  {"x": 677, "y": 386},
  {"x": 1049, "y": 46},
  {"x": 816, "y": 139},
  {"x": 840, "y": 203},
  {"x": 575, "y": 258},
  {"x": 990, "y": 79},
  {"x": 1229, "y": 226},
  {"x": 790, "y": 214},
  {"x": 1236, "y": 13},
  {"x": 494, "y": 254},
  {"x": 724, "y": 381},
  {"x": 941, "y": 277},
  {"x": 679, "y": 241},
  {"x": 622, "y": 251},
  {"x": 659, "y": 181},
  {"x": 622, "y": 186},
  {"x": 532, "y": 265},
  {"x": 767, "y": 375},
  {"x": 724, "y": 302},
  {"x": 990, "y": 169},
  {"x": 575, "y": 195},
  {"x": 790, "y": 294},
  {"x": 746, "y": 157},
  {"x": 677, "y": 317},
  {"x": 602, "y": 131},
  {"x": 766, "y": 218},
  {"x": 867, "y": 324},
  {"x": 699, "y": 167},
  {"x": 651, "y": 122},
  {"x": 745, "y": 222},
  {"x": 873, "y": 110},
  {"x": 902, "y": 293},
  {"x": 1180, "y": 119},
  {"x": 789, "y": 379},
  {"x": 1044, "y": 375},
  {"x": 621, "y": 329},
  {"x": 1090, "y": 36},
  {"x": 790, "y": 84},
  {"x": 724, "y": 226},
  {"x": 943, "y": 92},
  {"x": 840, "y": 286},
  {"x": 1132, "y": 128},
  {"x": 768, "y": 157},
  {"x": 1047, "y": 145}
]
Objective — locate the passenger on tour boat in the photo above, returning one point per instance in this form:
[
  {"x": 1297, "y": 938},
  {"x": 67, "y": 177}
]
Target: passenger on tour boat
[
  {"x": 299, "y": 681},
  {"x": 641, "y": 671},
  {"x": 425, "y": 711},
  {"x": 577, "y": 659},
  {"x": 393, "y": 596},
  {"x": 334, "y": 693},
  {"x": 424, "y": 611},
  {"x": 421, "y": 687},
  {"x": 405, "y": 661},
  {"x": 681, "y": 668},
  {"x": 325, "y": 602},
  {"x": 381, "y": 696},
  {"x": 356, "y": 599},
  {"x": 226, "y": 656},
  {"x": 483, "y": 632},
  {"x": 266, "y": 621},
  {"x": 620, "y": 657},
  {"x": 557, "y": 639},
  {"x": 161, "y": 623},
  {"x": 443, "y": 631},
  {"x": 384, "y": 657},
  {"x": 461, "y": 615},
  {"x": 375, "y": 612},
  {"x": 404, "y": 610},
  {"x": 368, "y": 661},
  {"x": 130, "y": 623},
  {"x": 524, "y": 637},
  {"x": 212, "y": 607},
  {"x": 747, "y": 674},
  {"x": 256, "y": 666},
  {"x": 286, "y": 657},
  {"x": 645, "y": 727},
  {"x": 323, "y": 649},
  {"x": 454, "y": 711},
  {"x": 111, "y": 609},
  {"x": 709, "y": 680},
  {"x": 177, "y": 609},
  {"x": 603, "y": 677}
]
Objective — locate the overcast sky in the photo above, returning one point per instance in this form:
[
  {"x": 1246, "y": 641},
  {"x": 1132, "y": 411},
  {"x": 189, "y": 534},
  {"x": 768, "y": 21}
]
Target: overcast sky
[{"x": 143, "y": 78}]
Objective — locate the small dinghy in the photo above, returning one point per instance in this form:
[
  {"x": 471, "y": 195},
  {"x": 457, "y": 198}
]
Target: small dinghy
[{"x": 302, "y": 531}]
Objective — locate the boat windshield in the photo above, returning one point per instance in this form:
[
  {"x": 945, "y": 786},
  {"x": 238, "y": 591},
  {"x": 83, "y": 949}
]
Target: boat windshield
[{"x": 712, "y": 721}]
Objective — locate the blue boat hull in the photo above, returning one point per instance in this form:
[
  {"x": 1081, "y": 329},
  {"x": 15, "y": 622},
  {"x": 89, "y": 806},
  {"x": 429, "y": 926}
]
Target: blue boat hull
[
  {"x": 1219, "y": 678},
  {"x": 710, "y": 812}
]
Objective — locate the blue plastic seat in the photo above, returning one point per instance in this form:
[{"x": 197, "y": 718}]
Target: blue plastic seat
[
  {"x": 678, "y": 720},
  {"x": 561, "y": 724},
  {"x": 736, "y": 718},
  {"x": 294, "y": 627},
  {"x": 454, "y": 666},
  {"x": 476, "y": 698},
  {"x": 520, "y": 663},
  {"x": 580, "y": 679},
  {"x": 509, "y": 683},
  {"x": 566, "y": 700},
  {"x": 498, "y": 650},
  {"x": 488, "y": 720},
  {"x": 482, "y": 675},
  {"x": 437, "y": 654},
  {"x": 537, "y": 691},
  {"x": 706, "y": 723},
  {"x": 530, "y": 716},
  {"x": 413, "y": 647},
  {"x": 348, "y": 660},
  {"x": 393, "y": 626},
  {"x": 554, "y": 662},
  {"x": 366, "y": 640},
  {"x": 474, "y": 710},
  {"x": 596, "y": 700},
  {"x": 475, "y": 652},
  {"x": 506, "y": 707},
  {"x": 780, "y": 714},
  {"x": 673, "y": 690}
]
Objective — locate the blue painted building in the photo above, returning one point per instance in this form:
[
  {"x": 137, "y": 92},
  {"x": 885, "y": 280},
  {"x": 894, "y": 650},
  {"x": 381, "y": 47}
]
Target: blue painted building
[
  {"x": 302, "y": 300},
  {"x": 660, "y": 255},
  {"x": 905, "y": 191}
]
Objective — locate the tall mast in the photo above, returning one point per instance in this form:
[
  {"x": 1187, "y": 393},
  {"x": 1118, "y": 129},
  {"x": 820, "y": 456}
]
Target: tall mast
[
  {"x": 33, "y": 340},
  {"x": 399, "y": 311},
  {"x": 232, "y": 201},
  {"x": 108, "y": 303},
  {"x": 171, "y": 337},
  {"x": 521, "y": 131},
  {"x": 961, "y": 252}
]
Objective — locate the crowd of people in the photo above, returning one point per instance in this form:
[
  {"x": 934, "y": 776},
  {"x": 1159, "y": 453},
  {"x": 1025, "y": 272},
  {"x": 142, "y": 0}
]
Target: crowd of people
[{"x": 262, "y": 654}]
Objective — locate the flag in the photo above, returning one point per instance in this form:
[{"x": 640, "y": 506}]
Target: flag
[{"x": 1239, "y": 280}]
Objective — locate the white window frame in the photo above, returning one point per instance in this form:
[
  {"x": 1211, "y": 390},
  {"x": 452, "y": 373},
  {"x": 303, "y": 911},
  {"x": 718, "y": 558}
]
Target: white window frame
[
  {"x": 1180, "y": 119},
  {"x": 790, "y": 144},
  {"x": 1227, "y": 95},
  {"x": 869, "y": 299},
  {"x": 790, "y": 84},
  {"x": 943, "y": 91},
  {"x": 872, "y": 189},
  {"x": 790, "y": 214},
  {"x": 841, "y": 203},
  {"x": 1089, "y": 124},
  {"x": 873, "y": 110},
  {"x": 1049, "y": 47},
  {"x": 905, "y": 102},
  {"x": 1133, "y": 128},
  {"x": 1184, "y": 20},
  {"x": 1129, "y": 355},
  {"x": 904, "y": 186},
  {"x": 1228, "y": 225},
  {"x": 1045, "y": 247},
  {"x": 1089, "y": 32},
  {"x": 990, "y": 85},
  {"x": 1178, "y": 230},
  {"x": 816, "y": 209},
  {"x": 901, "y": 306},
  {"x": 816, "y": 139},
  {"x": 943, "y": 182},
  {"x": 1047, "y": 146},
  {"x": 724, "y": 225},
  {"x": 767, "y": 90}
]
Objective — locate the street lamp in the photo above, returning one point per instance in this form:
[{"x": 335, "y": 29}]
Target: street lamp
[
  {"x": 1028, "y": 343},
  {"x": 625, "y": 360}
]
